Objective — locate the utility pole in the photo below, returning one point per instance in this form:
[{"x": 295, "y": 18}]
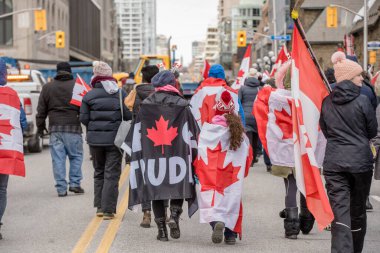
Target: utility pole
[
  {"x": 365, "y": 37},
  {"x": 274, "y": 28}
]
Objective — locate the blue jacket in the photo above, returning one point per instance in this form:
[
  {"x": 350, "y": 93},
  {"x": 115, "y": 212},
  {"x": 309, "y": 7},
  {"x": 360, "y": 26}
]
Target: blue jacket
[{"x": 23, "y": 122}]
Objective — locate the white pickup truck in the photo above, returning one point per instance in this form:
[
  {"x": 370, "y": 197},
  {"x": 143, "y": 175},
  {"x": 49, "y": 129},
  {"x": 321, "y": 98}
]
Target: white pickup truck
[{"x": 28, "y": 84}]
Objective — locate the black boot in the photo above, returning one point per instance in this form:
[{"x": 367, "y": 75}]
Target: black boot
[
  {"x": 162, "y": 230},
  {"x": 1, "y": 237},
  {"x": 368, "y": 205},
  {"x": 306, "y": 221},
  {"x": 292, "y": 223},
  {"x": 173, "y": 223}
]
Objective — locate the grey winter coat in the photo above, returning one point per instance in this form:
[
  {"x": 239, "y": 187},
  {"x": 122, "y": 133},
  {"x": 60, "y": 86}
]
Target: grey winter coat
[
  {"x": 247, "y": 95},
  {"x": 376, "y": 143}
]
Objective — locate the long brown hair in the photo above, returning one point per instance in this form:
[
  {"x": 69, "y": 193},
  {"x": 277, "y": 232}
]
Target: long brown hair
[{"x": 236, "y": 130}]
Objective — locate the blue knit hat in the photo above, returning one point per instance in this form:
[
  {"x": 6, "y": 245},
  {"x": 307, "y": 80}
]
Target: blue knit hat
[
  {"x": 163, "y": 78},
  {"x": 3, "y": 73},
  {"x": 217, "y": 71}
]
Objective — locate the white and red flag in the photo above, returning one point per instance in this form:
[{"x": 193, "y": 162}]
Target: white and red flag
[
  {"x": 221, "y": 171},
  {"x": 375, "y": 77},
  {"x": 244, "y": 68},
  {"x": 203, "y": 101},
  {"x": 282, "y": 57},
  {"x": 80, "y": 89},
  {"x": 206, "y": 69},
  {"x": 308, "y": 92},
  {"x": 273, "y": 114},
  {"x": 11, "y": 139}
]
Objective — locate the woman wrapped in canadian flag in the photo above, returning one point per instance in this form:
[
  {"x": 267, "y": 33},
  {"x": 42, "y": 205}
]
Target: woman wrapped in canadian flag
[{"x": 224, "y": 157}]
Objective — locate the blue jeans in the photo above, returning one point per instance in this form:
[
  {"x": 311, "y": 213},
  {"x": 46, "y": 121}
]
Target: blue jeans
[
  {"x": 3, "y": 194},
  {"x": 71, "y": 145}
]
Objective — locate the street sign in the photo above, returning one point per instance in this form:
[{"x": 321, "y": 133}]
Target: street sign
[
  {"x": 373, "y": 45},
  {"x": 280, "y": 37}
]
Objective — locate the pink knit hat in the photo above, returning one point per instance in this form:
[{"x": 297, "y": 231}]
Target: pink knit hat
[
  {"x": 101, "y": 69},
  {"x": 344, "y": 69}
]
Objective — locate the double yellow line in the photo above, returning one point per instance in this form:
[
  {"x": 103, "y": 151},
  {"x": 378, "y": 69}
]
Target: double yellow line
[{"x": 113, "y": 226}]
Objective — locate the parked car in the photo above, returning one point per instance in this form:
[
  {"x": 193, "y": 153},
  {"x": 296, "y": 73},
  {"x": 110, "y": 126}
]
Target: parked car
[
  {"x": 189, "y": 88},
  {"x": 28, "y": 84}
]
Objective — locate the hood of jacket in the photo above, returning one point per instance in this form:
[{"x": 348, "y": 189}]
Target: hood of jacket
[
  {"x": 252, "y": 82},
  {"x": 345, "y": 92},
  {"x": 144, "y": 90}
]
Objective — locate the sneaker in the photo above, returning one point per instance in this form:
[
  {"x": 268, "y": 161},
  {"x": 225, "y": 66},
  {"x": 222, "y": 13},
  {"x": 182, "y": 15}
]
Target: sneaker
[
  {"x": 99, "y": 212},
  {"x": 62, "y": 194},
  {"x": 76, "y": 190},
  {"x": 217, "y": 234},
  {"x": 108, "y": 216}
]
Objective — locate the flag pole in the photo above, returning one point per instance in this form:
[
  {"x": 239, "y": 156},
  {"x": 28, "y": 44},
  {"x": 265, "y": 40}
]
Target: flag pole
[{"x": 294, "y": 16}]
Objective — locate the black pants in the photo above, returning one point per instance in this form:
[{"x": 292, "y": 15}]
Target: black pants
[
  {"x": 348, "y": 193},
  {"x": 253, "y": 140},
  {"x": 159, "y": 206},
  {"x": 291, "y": 193},
  {"x": 107, "y": 164}
]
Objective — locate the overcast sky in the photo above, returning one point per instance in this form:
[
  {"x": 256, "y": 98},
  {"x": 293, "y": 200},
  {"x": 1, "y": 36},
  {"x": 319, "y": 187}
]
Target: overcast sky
[{"x": 185, "y": 21}]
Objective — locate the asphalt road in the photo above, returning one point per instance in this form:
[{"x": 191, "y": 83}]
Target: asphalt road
[{"x": 36, "y": 220}]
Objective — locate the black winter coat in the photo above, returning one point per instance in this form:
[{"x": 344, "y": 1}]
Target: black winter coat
[
  {"x": 166, "y": 98},
  {"x": 348, "y": 122},
  {"x": 247, "y": 96},
  {"x": 100, "y": 113},
  {"x": 142, "y": 92},
  {"x": 54, "y": 101}
]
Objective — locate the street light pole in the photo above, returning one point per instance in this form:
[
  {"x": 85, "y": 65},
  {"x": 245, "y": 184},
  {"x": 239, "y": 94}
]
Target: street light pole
[
  {"x": 19, "y": 11},
  {"x": 365, "y": 37},
  {"x": 274, "y": 28}
]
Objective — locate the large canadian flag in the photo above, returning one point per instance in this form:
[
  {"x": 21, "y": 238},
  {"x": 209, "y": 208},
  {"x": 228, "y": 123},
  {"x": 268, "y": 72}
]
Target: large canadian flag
[
  {"x": 11, "y": 139},
  {"x": 308, "y": 92},
  {"x": 221, "y": 171},
  {"x": 273, "y": 112},
  {"x": 203, "y": 101},
  {"x": 80, "y": 89},
  {"x": 244, "y": 68},
  {"x": 283, "y": 56}
]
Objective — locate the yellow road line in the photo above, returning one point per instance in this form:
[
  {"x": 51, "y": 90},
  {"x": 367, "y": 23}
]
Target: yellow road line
[
  {"x": 113, "y": 227},
  {"x": 94, "y": 225}
]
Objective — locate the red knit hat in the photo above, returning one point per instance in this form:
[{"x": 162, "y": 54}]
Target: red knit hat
[{"x": 225, "y": 104}]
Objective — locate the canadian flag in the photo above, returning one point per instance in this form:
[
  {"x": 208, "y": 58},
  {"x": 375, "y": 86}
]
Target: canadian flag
[
  {"x": 308, "y": 92},
  {"x": 273, "y": 113},
  {"x": 11, "y": 139},
  {"x": 221, "y": 171},
  {"x": 80, "y": 89},
  {"x": 282, "y": 57},
  {"x": 206, "y": 69},
  {"x": 244, "y": 68},
  {"x": 204, "y": 99},
  {"x": 375, "y": 77}
]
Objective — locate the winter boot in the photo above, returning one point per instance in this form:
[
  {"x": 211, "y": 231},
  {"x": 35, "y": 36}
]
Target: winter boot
[
  {"x": 306, "y": 221},
  {"x": 162, "y": 230},
  {"x": 175, "y": 213},
  {"x": 147, "y": 218},
  {"x": 368, "y": 205},
  {"x": 292, "y": 223},
  {"x": 282, "y": 214}
]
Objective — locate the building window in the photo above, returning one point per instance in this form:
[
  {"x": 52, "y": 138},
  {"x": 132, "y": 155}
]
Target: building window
[
  {"x": 255, "y": 23},
  {"x": 6, "y": 24},
  {"x": 244, "y": 24},
  {"x": 256, "y": 12}
]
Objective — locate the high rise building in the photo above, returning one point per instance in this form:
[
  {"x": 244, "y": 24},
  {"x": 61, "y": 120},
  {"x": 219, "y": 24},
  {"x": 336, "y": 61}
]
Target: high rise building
[
  {"x": 137, "y": 21},
  {"x": 162, "y": 45},
  {"x": 212, "y": 45},
  {"x": 197, "y": 48}
]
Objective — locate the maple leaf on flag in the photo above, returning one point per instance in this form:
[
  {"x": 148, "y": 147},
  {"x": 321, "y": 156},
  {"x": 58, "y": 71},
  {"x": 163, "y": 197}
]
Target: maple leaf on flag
[
  {"x": 207, "y": 110},
  {"x": 241, "y": 73},
  {"x": 284, "y": 122},
  {"x": 162, "y": 134},
  {"x": 5, "y": 127},
  {"x": 216, "y": 179}
]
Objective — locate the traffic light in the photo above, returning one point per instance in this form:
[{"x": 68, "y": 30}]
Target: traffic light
[
  {"x": 331, "y": 17},
  {"x": 241, "y": 39},
  {"x": 372, "y": 57},
  {"x": 40, "y": 20},
  {"x": 60, "y": 39}
]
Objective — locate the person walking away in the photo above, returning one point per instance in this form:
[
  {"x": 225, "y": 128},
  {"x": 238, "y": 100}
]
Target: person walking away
[
  {"x": 144, "y": 90},
  {"x": 348, "y": 122},
  {"x": 101, "y": 114},
  {"x": 247, "y": 95},
  {"x": 64, "y": 128},
  {"x": 224, "y": 136},
  {"x": 12, "y": 116}
]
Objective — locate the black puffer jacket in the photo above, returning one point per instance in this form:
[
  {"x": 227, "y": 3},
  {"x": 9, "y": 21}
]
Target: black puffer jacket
[
  {"x": 142, "y": 92},
  {"x": 348, "y": 122},
  {"x": 166, "y": 98},
  {"x": 247, "y": 95},
  {"x": 100, "y": 113},
  {"x": 54, "y": 101}
]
